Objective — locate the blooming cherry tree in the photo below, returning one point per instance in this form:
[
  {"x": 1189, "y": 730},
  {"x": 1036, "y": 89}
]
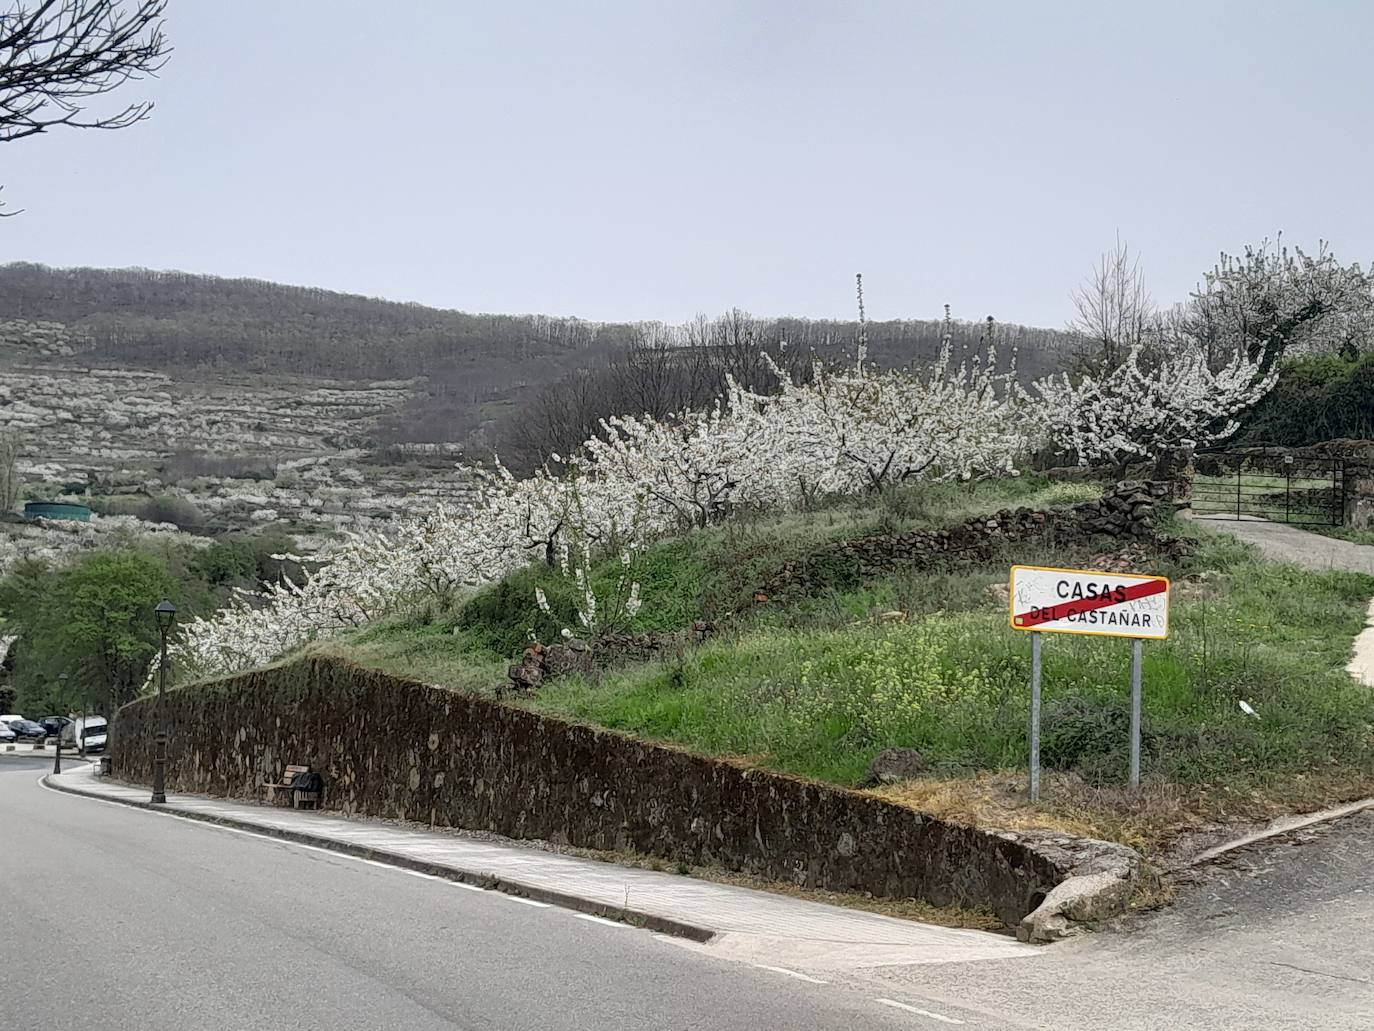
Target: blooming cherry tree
[
  {"x": 860, "y": 429},
  {"x": 1271, "y": 301},
  {"x": 1145, "y": 406},
  {"x": 848, "y": 430}
]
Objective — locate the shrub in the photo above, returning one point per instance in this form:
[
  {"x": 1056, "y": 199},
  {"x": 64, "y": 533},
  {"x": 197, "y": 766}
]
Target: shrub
[
  {"x": 500, "y": 617},
  {"x": 1090, "y": 735},
  {"x": 1316, "y": 399},
  {"x": 886, "y": 684},
  {"x": 166, "y": 509},
  {"x": 224, "y": 562}
]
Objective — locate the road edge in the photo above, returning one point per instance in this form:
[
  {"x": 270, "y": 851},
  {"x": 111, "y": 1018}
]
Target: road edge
[
  {"x": 623, "y": 914},
  {"x": 1285, "y": 825}
]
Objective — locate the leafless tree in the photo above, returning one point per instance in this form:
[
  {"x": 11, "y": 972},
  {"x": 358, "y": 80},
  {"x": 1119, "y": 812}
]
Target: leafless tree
[
  {"x": 664, "y": 371},
  {"x": 9, "y": 479},
  {"x": 55, "y": 55},
  {"x": 1115, "y": 310}
]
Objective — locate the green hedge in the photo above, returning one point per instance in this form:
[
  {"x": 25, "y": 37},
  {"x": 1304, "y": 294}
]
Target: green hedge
[{"x": 1315, "y": 399}]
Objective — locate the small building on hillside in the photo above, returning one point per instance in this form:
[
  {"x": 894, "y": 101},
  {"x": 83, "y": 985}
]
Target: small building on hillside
[{"x": 57, "y": 510}]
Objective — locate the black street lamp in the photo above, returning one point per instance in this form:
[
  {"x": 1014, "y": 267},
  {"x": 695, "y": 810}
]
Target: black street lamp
[
  {"x": 166, "y": 614},
  {"x": 57, "y": 752}
]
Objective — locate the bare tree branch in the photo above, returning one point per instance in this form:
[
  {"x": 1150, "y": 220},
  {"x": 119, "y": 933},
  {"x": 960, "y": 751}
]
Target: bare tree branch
[
  {"x": 55, "y": 55},
  {"x": 1115, "y": 310}
]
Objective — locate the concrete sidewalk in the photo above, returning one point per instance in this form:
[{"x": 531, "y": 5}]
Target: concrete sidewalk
[{"x": 737, "y": 922}]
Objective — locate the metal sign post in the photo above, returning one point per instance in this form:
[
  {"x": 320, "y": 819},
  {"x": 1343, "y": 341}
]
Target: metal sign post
[
  {"x": 1085, "y": 601},
  {"x": 1035, "y": 718},
  {"x": 1135, "y": 714}
]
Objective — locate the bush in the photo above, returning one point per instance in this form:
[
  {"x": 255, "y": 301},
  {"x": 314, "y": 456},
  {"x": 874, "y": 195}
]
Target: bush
[
  {"x": 1091, "y": 735},
  {"x": 166, "y": 509},
  {"x": 116, "y": 506},
  {"x": 188, "y": 465},
  {"x": 1315, "y": 399},
  {"x": 224, "y": 562},
  {"x": 499, "y": 618},
  {"x": 162, "y": 509}
]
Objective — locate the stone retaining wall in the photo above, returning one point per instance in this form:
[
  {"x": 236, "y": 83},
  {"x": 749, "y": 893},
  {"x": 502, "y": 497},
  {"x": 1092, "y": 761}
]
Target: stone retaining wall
[
  {"x": 396, "y": 748},
  {"x": 1128, "y": 510}
]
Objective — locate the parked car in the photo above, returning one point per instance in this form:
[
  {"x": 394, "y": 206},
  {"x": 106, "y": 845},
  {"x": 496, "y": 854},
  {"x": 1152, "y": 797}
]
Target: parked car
[
  {"x": 93, "y": 729},
  {"x": 6, "y": 735},
  {"x": 54, "y": 724},
  {"x": 8, "y": 717},
  {"x": 28, "y": 730}
]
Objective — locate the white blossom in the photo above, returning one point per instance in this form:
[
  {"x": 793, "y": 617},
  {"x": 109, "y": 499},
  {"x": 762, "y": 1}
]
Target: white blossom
[
  {"x": 1145, "y": 406},
  {"x": 847, "y": 430}
]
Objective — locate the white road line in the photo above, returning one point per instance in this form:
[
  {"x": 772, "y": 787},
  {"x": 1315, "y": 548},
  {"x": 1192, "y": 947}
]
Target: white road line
[
  {"x": 468, "y": 887},
  {"x": 528, "y": 902},
  {"x": 600, "y": 920},
  {"x": 920, "y": 1012},
  {"x": 672, "y": 939},
  {"x": 791, "y": 973},
  {"x": 425, "y": 876}
]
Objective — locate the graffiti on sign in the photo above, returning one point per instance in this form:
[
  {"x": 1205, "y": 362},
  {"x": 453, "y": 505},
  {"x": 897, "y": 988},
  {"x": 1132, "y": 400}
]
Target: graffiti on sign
[{"x": 1083, "y": 601}]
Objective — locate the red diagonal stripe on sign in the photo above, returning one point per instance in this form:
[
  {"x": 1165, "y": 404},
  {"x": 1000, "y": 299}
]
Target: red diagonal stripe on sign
[{"x": 1072, "y": 608}]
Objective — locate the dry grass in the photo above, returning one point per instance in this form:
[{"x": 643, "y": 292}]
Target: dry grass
[{"x": 1158, "y": 821}]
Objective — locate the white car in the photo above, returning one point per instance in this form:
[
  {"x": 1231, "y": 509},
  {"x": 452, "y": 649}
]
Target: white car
[
  {"x": 94, "y": 730},
  {"x": 7, "y": 717}
]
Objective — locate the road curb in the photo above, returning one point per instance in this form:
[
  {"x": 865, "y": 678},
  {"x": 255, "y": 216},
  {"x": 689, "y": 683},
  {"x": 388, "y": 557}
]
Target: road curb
[
  {"x": 1276, "y": 830},
  {"x": 624, "y": 914}
]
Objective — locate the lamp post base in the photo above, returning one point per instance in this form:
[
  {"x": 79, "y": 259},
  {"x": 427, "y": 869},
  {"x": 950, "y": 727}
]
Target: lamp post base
[{"x": 160, "y": 770}]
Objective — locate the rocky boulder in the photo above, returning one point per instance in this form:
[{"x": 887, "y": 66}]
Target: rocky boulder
[
  {"x": 528, "y": 674},
  {"x": 893, "y": 765}
]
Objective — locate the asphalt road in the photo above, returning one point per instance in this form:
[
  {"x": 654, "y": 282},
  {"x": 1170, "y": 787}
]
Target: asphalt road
[
  {"x": 1279, "y": 937},
  {"x": 165, "y": 923},
  {"x": 145, "y": 922}
]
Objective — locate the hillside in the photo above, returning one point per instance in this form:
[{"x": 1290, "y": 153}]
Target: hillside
[
  {"x": 466, "y": 366},
  {"x": 203, "y": 327},
  {"x": 252, "y": 405}
]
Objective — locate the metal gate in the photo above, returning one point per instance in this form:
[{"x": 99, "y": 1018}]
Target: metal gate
[{"x": 1281, "y": 486}]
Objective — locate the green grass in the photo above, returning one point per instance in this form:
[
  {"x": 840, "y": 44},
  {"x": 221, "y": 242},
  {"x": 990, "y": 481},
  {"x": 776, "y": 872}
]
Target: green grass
[
  {"x": 1346, "y": 533},
  {"x": 714, "y": 572},
  {"x": 953, "y": 683},
  {"x": 433, "y": 653},
  {"x": 1295, "y": 498},
  {"x": 1263, "y": 481}
]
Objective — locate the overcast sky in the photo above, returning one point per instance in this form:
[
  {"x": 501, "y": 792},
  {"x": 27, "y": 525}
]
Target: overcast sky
[{"x": 652, "y": 160}]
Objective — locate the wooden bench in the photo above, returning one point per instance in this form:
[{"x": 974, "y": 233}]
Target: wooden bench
[{"x": 299, "y": 799}]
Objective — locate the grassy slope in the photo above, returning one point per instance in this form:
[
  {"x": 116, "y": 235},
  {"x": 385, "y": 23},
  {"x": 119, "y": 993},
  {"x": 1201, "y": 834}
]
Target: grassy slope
[
  {"x": 1346, "y": 533},
  {"x": 820, "y": 684}
]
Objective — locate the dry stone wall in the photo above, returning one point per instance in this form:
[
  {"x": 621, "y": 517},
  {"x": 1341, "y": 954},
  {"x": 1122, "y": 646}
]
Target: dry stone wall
[
  {"x": 395, "y": 748},
  {"x": 1128, "y": 510}
]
